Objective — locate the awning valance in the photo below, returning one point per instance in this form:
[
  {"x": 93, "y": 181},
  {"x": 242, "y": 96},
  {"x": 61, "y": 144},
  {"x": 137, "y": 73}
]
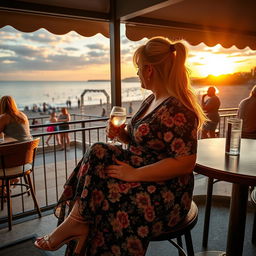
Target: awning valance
[
  {"x": 28, "y": 22},
  {"x": 193, "y": 36}
]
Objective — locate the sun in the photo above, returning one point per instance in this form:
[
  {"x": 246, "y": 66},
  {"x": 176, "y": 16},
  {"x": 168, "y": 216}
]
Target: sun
[{"x": 216, "y": 64}]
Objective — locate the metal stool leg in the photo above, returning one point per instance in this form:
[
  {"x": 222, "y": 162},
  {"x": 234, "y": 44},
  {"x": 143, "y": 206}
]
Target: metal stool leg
[
  {"x": 9, "y": 204},
  {"x": 180, "y": 249},
  {"x": 2, "y": 195},
  {"x": 207, "y": 211},
  {"x": 33, "y": 195},
  {"x": 189, "y": 244},
  {"x": 179, "y": 242},
  {"x": 254, "y": 229}
]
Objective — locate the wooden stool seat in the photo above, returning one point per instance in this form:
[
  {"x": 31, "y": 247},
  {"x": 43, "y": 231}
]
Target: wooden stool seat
[{"x": 183, "y": 228}]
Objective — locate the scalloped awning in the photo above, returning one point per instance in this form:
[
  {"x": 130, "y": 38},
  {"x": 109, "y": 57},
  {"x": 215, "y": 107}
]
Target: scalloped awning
[
  {"x": 27, "y": 22},
  {"x": 225, "y": 22},
  {"x": 192, "y": 36}
]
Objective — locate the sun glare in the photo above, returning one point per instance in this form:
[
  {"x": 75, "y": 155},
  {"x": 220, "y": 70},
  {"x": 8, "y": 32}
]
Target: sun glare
[{"x": 216, "y": 64}]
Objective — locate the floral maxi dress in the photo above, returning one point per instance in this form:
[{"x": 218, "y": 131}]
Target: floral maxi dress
[{"x": 124, "y": 216}]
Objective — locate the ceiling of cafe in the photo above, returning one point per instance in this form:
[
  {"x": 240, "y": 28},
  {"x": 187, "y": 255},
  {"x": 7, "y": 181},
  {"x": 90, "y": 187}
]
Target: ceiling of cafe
[{"x": 228, "y": 22}]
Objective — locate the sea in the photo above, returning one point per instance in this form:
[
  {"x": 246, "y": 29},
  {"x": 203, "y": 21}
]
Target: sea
[{"x": 56, "y": 93}]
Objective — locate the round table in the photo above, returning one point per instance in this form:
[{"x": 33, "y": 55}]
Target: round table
[{"x": 241, "y": 172}]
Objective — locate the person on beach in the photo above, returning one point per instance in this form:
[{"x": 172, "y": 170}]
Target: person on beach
[
  {"x": 13, "y": 122},
  {"x": 247, "y": 112},
  {"x": 34, "y": 122},
  {"x": 211, "y": 107},
  {"x": 118, "y": 198},
  {"x": 64, "y": 137},
  {"x": 130, "y": 109},
  {"x": 51, "y": 128},
  {"x": 103, "y": 113}
]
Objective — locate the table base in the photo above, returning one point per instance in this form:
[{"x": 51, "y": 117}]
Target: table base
[{"x": 211, "y": 253}]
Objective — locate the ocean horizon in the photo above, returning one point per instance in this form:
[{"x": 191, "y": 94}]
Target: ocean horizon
[{"x": 56, "y": 93}]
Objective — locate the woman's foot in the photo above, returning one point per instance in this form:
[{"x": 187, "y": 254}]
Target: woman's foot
[{"x": 73, "y": 228}]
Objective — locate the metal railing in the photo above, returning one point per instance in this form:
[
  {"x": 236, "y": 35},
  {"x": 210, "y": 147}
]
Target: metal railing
[{"x": 53, "y": 165}]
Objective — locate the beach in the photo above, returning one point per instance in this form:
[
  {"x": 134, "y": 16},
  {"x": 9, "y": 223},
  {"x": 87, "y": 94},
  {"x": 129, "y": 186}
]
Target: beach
[{"x": 230, "y": 97}]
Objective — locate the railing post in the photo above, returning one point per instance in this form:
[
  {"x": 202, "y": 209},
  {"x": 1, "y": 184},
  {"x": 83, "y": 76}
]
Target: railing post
[{"x": 83, "y": 138}]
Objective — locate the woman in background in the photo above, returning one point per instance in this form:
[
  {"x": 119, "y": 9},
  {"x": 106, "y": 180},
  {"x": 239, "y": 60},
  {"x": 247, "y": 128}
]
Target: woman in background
[
  {"x": 64, "y": 137},
  {"x": 51, "y": 128},
  {"x": 13, "y": 122}
]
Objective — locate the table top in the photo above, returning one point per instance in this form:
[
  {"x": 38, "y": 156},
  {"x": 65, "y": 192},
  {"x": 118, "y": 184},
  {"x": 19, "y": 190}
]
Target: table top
[
  {"x": 7, "y": 140},
  {"x": 213, "y": 162}
]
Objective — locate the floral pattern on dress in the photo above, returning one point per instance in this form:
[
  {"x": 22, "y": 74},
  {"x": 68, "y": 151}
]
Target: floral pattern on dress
[{"x": 123, "y": 216}]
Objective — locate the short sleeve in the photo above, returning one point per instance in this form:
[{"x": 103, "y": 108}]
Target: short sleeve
[{"x": 178, "y": 129}]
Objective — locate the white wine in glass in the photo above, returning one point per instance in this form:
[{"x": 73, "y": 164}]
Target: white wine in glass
[{"x": 117, "y": 118}]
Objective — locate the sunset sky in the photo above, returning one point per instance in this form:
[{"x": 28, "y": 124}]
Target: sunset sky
[{"x": 71, "y": 57}]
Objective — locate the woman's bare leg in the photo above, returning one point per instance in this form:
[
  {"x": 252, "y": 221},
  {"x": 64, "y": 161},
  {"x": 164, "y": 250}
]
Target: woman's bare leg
[
  {"x": 73, "y": 226},
  {"x": 48, "y": 139}
]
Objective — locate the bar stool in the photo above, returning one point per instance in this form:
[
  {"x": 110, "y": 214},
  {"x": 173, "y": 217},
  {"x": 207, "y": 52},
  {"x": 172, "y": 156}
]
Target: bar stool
[
  {"x": 17, "y": 161},
  {"x": 181, "y": 229}
]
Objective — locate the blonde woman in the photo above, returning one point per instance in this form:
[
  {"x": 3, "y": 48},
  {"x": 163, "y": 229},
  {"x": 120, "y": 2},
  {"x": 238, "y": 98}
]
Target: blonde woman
[
  {"x": 13, "y": 123},
  {"x": 121, "y": 198}
]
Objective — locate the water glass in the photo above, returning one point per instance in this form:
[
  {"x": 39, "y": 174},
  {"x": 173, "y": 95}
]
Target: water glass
[
  {"x": 1, "y": 137},
  {"x": 233, "y": 139}
]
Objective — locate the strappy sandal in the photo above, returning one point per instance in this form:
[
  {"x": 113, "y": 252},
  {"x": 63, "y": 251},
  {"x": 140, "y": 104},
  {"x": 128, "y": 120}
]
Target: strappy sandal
[{"x": 44, "y": 243}]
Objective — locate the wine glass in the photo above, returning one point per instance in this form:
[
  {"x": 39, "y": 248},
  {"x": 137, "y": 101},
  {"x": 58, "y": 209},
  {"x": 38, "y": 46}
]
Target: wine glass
[{"x": 117, "y": 118}]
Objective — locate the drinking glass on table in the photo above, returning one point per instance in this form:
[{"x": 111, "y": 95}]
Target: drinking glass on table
[
  {"x": 1, "y": 137},
  {"x": 117, "y": 118}
]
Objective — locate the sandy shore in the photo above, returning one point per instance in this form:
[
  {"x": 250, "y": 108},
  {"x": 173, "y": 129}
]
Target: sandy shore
[
  {"x": 88, "y": 110},
  {"x": 230, "y": 97}
]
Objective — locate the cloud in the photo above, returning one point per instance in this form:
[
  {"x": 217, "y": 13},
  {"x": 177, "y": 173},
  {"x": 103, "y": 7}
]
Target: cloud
[
  {"x": 21, "y": 62},
  {"x": 22, "y": 50},
  {"x": 97, "y": 46},
  {"x": 197, "y": 63},
  {"x": 8, "y": 29},
  {"x": 124, "y": 40},
  {"x": 40, "y": 37},
  {"x": 71, "y": 49},
  {"x": 96, "y": 54}
]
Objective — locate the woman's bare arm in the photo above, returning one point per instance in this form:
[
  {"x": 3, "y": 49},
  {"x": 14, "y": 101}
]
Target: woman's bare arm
[
  {"x": 165, "y": 169},
  {"x": 4, "y": 120}
]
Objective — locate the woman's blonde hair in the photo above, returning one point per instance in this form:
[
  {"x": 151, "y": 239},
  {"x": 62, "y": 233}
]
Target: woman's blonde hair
[
  {"x": 8, "y": 106},
  {"x": 168, "y": 59}
]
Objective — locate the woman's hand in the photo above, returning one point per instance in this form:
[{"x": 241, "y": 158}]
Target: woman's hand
[
  {"x": 113, "y": 131},
  {"x": 121, "y": 171}
]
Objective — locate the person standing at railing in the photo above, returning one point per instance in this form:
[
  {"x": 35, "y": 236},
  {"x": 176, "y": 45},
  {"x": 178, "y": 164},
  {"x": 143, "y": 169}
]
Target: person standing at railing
[
  {"x": 211, "y": 107},
  {"x": 121, "y": 198},
  {"x": 64, "y": 137},
  {"x": 53, "y": 128},
  {"x": 247, "y": 112}
]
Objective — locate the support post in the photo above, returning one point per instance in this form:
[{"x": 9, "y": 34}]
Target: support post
[{"x": 115, "y": 59}]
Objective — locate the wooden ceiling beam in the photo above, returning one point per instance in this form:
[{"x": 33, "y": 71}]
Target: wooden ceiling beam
[
  {"x": 26, "y": 7},
  {"x": 126, "y": 10}
]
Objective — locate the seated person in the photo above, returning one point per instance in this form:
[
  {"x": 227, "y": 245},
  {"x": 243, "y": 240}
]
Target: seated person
[
  {"x": 120, "y": 198},
  {"x": 211, "y": 107},
  {"x": 13, "y": 123},
  {"x": 247, "y": 112}
]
